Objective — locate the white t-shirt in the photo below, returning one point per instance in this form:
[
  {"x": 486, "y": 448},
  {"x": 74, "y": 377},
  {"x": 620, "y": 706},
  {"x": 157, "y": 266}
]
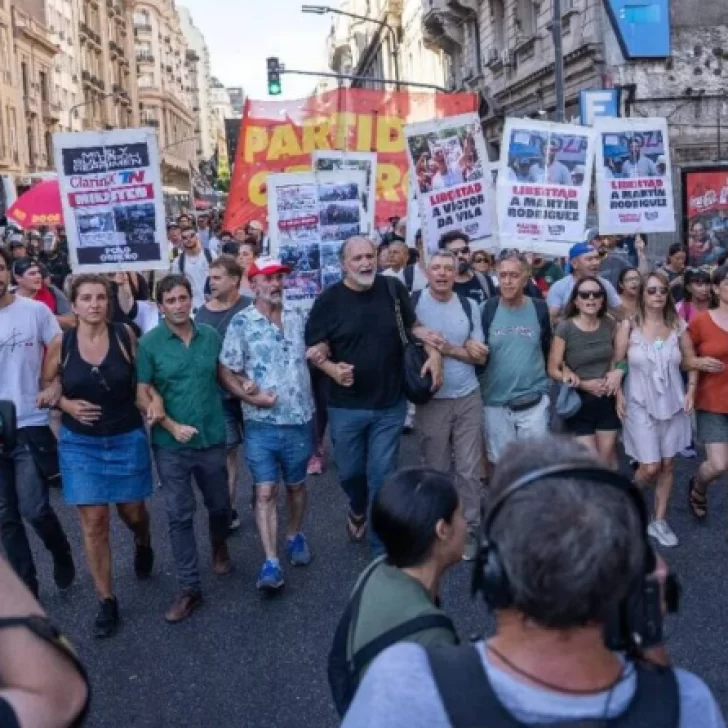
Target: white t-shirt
[
  {"x": 147, "y": 315},
  {"x": 419, "y": 279},
  {"x": 196, "y": 271},
  {"x": 26, "y": 329}
]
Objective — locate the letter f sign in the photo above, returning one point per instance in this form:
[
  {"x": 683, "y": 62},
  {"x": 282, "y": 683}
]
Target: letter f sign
[{"x": 595, "y": 102}]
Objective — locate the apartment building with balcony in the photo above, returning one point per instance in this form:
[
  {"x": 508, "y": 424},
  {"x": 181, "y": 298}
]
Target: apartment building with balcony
[
  {"x": 108, "y": 71},
  {"x": 13, "y": 152},
  {"x": 198, "y": 57},
  {"x": 40, "y": 112},
  {"x": 166, "y": 97},
  {"x": 369, "y": 49},
  {"x": 504, "y": 50}
]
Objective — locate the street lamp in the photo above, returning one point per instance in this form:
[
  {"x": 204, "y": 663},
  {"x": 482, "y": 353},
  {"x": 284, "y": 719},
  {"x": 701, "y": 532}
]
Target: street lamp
[
  {"x": 72, "y": 110},
  {"x": 324, "y": 9}
]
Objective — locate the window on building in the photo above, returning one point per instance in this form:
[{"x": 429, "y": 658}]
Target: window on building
[
  {"x": 497, "y": 12},
  {"x": 526, "y": 17},
  {"x": 4, "y": 52},
  {"x": 48, "y": 147},
  {"x": 43, "y": 80},
  {"x": 477, "y": 50},
  {"x": 2, "y": 134},
  {"x": 25, "y": 79}
]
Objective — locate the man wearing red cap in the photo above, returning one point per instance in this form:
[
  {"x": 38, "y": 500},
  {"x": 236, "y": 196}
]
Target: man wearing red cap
[{"x": 265, "y": 343}]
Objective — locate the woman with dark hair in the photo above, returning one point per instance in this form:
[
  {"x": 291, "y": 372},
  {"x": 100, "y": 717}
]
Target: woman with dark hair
[
  {"x": 698, "y": 295},
  {"x": 628, "y": 287},
  {"x": 247, "y": 253},
  {"x": 583, "y": 355},
  {"x": 418, "y": 518},
  {"x": 674, "y": 269},
  {"x": 654, "y": 406},
  {"x": 103, "y": 447},
  {"x": 709, "y": 333}
]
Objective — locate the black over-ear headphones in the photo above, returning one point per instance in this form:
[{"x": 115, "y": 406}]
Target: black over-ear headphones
[{"x": 629, "y": 629}]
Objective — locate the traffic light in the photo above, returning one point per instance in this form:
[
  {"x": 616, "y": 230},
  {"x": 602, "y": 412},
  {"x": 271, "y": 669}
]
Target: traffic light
[{"x": 274, "y": 77}]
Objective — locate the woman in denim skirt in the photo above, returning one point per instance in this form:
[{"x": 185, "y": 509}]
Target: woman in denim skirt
[{"x": 103, "y": 448}]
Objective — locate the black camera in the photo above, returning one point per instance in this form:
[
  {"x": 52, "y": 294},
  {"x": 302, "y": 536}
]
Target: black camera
[{"x": 8, "y": 426}]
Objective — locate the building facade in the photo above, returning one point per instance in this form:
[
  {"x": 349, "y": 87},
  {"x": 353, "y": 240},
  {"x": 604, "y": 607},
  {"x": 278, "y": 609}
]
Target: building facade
[
  {"x": 504, "y": 50},
  {"x": 390, "y": 44},
  {"x": 166, "y": 74},
  {"x": 199, "y": 54},
  {"x": 237, "y": 101}
]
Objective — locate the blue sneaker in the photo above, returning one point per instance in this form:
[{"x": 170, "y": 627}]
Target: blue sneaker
[
  {"x": 270, "y": 577},
  {"x": 297, "y": 551}
]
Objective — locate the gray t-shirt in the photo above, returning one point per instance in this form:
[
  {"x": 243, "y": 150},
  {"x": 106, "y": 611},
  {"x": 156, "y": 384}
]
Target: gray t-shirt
[
  {"x": 613, "y": 264},
  {"x": 559, "y": 293},
  {"x": 26, "y": 329},
  {"x": 398, "y": 690},
  {"x": 515, "y": 363},
  {"x": 588, "y": 353},
  {"x": 451, "y": 321},
  {"x": 219, "y": 320}
]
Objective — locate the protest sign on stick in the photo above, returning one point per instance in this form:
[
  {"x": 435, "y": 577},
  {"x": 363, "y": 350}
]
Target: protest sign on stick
[
  {"x": 634, "y": 177},
  {"x": 111, "y": 195},
  {"x": 449, "y": 164},
  {"x": 310, "y": 215},
  {"x": 543, "y": 184}
]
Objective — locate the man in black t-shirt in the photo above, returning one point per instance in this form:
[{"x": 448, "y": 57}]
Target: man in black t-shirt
[{"x": 356, "y": 320}]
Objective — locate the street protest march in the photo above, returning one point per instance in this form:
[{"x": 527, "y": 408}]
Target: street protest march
[
  {"x": 311, "y": 214},
  {"x": 281, "y": 136},
  {"x": 363, "y": 161},
  {"x": 634, "y": 177},
  {"x": 448, "y": 162},
  {"x": 543, "y": 184},
  {"x": 111, "y": 196}
]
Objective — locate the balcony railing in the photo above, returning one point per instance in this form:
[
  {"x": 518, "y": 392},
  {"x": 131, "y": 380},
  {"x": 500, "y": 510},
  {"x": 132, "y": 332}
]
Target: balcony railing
[
  {"x": 142, "y": 27},
  {"x": 144, "y": 57}
]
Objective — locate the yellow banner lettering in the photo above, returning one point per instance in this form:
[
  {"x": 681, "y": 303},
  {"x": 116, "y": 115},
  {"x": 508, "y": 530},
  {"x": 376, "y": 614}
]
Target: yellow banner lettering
[
  {"x": 283, "y": 143},
  {"x": 390, "y": 134},
  {"x": 364, "y": 133},
  {"x": 315, "y": 136},
  {"x": 342, "y": 123},
  {"x": 256, "y": 140},
  {"x": 389, "y": 178}
]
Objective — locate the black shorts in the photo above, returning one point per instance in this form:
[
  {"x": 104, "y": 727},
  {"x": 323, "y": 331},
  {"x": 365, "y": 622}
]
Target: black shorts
[
  {"x": 596, "y": 414},
  {"x": 233, "y": 422}
]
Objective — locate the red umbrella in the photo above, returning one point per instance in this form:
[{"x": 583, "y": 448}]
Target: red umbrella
[{"x": 40, "y": 205}]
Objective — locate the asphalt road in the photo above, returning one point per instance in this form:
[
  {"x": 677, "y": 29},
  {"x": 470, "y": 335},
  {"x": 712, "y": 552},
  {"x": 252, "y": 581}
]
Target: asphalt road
[{"x": 245, "y": 660}]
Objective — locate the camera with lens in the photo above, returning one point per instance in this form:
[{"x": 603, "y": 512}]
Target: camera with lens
[{"x": 8, "y": 426}]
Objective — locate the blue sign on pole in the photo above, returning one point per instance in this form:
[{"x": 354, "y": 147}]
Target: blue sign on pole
[
  {"x": 642, "y": 27},
  {"x": 594, "y": 102}
]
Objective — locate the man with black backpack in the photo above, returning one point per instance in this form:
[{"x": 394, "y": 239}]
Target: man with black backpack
[
  {"x": 577, "y": 592},
  {"x": 450, "y": 425}
]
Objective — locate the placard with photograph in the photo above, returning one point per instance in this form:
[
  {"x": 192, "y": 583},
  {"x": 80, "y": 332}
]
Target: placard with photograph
[
  {"x": 310, "y": 215},
  {"x": 634, "y": 177},
  {"x": 543, "y": 184},
  {"x": 111, "y": 195},
  {"x": 448, "y": 162}
]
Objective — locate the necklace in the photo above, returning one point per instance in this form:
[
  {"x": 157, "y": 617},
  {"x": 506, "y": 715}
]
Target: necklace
[{"x": 551, "y": 686}]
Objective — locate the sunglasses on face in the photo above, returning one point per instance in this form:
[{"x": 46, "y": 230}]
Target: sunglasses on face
[
  {"x": 586, "y": 295},
  {"x": 187, "y": 237},
  {"x": 652, "y": 290},
  {"x": 460, "y": 251},
  {"x": 480, "y": 259}
]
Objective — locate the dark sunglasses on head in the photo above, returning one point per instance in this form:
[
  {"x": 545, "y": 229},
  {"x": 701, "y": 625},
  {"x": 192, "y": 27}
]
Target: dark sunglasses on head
[
  {"x": 507, "y": 253},
  {"x": 652, "y": 290},
  {"x": 585, "y": 295}
]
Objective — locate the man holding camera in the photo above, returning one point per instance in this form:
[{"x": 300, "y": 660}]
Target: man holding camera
[
  {"x": 563, "y": 562},
  {"x": 27, "y": 328}
]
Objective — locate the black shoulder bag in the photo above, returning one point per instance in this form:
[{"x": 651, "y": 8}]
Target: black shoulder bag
[{"x": 417, "y": 389}]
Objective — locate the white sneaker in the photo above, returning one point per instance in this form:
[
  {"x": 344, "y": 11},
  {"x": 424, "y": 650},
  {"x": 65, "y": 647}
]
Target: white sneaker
[{"x": 662, "y": 533}]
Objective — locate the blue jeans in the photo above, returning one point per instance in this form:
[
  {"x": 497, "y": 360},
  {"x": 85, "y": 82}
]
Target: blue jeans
[
  {"x": 366, "y": 450},
  {"x": 276, "y": 452}
]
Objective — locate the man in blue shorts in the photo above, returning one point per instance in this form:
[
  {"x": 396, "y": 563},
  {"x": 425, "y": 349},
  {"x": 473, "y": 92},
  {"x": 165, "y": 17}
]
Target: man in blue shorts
[{"x": 265, "y": 342}]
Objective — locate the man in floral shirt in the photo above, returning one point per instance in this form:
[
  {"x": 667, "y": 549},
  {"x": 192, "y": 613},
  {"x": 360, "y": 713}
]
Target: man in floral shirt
[{"x": 265, "y": 343}]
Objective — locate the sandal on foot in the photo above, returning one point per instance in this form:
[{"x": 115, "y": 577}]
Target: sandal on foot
[
  {"x": 697, "y": 501},
  {"x": 356, "y": 527}
]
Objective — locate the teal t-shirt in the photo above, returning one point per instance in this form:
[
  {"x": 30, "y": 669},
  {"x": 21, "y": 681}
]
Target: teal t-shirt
[{"x": 516, "y": 366}]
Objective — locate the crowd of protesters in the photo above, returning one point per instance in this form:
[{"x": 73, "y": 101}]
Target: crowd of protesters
[{"x": 117, "y": 376}]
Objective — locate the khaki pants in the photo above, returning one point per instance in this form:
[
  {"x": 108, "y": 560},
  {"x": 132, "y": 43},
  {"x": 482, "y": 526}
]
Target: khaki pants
[{"x": 451, "y": 437}]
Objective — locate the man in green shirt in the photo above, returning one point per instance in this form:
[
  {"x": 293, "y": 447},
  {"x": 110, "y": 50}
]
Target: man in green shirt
[{"x": 179, "y": 360}]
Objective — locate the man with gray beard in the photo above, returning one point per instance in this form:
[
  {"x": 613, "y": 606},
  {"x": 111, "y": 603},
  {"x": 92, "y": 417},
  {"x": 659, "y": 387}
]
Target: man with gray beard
[{"x": 356, "y": 319}]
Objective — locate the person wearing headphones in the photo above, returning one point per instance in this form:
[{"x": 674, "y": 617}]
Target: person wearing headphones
[{"x": 564, "y": 553}]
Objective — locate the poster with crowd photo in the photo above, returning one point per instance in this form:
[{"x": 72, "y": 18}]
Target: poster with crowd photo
[
  {"x": 543, "y": 184},
  {"x": 449, "y": 162},
  {"x": 310, "y": 215},
  {"x": 634, "y": 177},
  {"x": 111, "y": 195},
  {"x": 333, "y": 161},
  {"x": 705, "y": 213}
]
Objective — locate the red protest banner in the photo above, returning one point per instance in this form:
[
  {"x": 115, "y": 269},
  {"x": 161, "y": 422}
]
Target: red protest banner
[{"x": 280, "y": 136}]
